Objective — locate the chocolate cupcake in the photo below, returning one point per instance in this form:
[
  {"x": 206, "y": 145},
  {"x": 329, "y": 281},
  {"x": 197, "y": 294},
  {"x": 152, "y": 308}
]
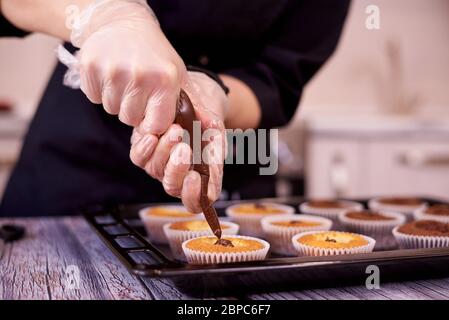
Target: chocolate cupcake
[
  {"x": 376, "y": 224},
  {"x": 422, "y": 234},
  {"x": 329, "y": 208},
  {"x": 279, "y": 230},
  {"x": 155, "y": 217},
  {"x": 437, "y": 212},
  {"x": 206, "y": 250},
  {"x": 330, "y": 243},
  {"x": 180, "y": 231},
  {"x": 404, "y": 205},
  {"x": 249, "y": 215}
]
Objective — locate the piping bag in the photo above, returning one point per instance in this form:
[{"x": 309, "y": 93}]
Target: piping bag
[{"x": 185, "y": 117}]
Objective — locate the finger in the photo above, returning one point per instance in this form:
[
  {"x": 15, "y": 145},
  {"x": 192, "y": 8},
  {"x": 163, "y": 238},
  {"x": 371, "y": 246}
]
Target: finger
[
  {"x": 160, "y": 112},
  {"x": 214, "y": 155},
  {"x": 112, "y": 90},
  {"x": 135, "y": 137},
  {"x": 161, "y": 106},
  {"x": 177, "y": 168},
  {"x": 142, "y": 150},
  {"x": 133, "y": 104},
  {"x": 215, "y": 182},
  {"x": 190, "y": 193},
  {"x": 156, "y": 164},
  {"x": 90, "y": 82}
]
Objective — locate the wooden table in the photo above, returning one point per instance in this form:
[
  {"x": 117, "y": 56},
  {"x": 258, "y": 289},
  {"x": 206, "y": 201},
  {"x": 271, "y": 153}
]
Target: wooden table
[{"x": 35, "y": 268}]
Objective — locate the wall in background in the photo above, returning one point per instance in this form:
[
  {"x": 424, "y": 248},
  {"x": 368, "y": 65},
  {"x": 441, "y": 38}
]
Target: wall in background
[
  {"x": 357, "y": 76},
  {"x": 25, "y": 66},
  {"x": 353, "y": 80}
]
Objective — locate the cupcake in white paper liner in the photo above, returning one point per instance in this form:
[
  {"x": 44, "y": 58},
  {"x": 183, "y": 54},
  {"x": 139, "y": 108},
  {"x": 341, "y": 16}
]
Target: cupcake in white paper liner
[
  {"x": 279, "y": 230},
  {"x": 422, "y": 234},
  {"x": 249, "y": 215},
  {"x": 404, "y": 205},
  {"x": 331, "y": 243},
  {"x": 204, "y": 250},
  {"x": 178, "y": 232},
  {"x": 437, "y": 212},
  {"x": 155, "y": 217},
  {"x": 376, "y": 224},
  {"x": 329, "y": 208}
]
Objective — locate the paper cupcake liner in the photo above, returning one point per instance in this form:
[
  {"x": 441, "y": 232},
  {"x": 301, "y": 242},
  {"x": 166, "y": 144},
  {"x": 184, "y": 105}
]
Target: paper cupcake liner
[
  {"x": 280, "y": 238},
  {"x": 379, "y": 230},
  {"x": 306, "y": 250},
  {"x": 201, "y": 257},
  {"x": 420, "y": 214},
  {"x": 177, "y": 237},
  {"x": 250, "y": 223},
  {"x": 408, "y": 211},
  {"x": 408, "y": 241},
  {"x": 154, "y": 224},
  {"x": 330, "y": 213}
]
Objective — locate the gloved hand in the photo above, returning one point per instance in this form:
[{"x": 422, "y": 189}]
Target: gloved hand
[
  {"x": 127, "y": 64},
  {"x": 169, "y": 160}
]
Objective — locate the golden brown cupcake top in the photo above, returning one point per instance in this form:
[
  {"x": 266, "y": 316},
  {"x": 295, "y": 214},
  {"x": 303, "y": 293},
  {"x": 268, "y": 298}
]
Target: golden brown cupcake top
[
  {"x": 400, "y": 201},
  {"x": 258, "y": 208},
  {"x": 333, "y": 240},
  {"x": 194, "y": 225},
  {"x": 162, "y": 211},
  {"x": 295, "y": 223},
  {"x": 327, "y": 204},
  {"x": 425, "y": 228},
  {"x": 208, "y": 244},
  {"x": 368, "y": 215},
  {"x": 438, "y": 210}
]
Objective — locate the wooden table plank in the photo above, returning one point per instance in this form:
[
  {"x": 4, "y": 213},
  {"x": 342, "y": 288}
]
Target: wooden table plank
[{"x": 35, "y": 268}]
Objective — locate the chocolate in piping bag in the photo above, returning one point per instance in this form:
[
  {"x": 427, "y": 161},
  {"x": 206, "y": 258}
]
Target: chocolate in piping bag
[{"x": 185, "y": 116}]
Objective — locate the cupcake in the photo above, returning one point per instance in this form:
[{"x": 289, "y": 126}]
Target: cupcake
[
  {"x": 422, "y": 234},
  {"x": 205, "y": 250},
  {"x": 404, "y": 205},
  {"x": 329, "y": 208},
  {"x": 438, "y": 212},
  {"x": 155, "y": 217},
  {"x": 180, "y": 231},
  {"x": 330, "y": 243},
  {"x": 279, "y": 230},
  {"x": 376, "y": 224},
  {"x": 249, "y": 215}
]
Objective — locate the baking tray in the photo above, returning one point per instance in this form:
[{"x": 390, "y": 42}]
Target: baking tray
[{"x": 122, "y": 231}]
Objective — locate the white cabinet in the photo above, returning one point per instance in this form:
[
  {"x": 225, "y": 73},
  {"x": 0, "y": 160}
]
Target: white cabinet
[{"x": 374, "y": 157}]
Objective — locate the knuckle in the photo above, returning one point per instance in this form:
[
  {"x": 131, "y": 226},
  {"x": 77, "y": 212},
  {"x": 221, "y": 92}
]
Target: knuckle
[
  {"x": 168, "y": 75},
  {"x": 118, "y": 75},
  {"x": 171, "y": 188},
  {"x": 89, "y": 65}
]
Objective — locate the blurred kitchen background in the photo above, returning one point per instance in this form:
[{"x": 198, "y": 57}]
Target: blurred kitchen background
[{"x": 374, "y": 121}]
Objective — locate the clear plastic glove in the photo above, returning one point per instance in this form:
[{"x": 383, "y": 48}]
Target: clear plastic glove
[
  {"x": 127, "y": 64},
  {"x": 169, "y": 160}
]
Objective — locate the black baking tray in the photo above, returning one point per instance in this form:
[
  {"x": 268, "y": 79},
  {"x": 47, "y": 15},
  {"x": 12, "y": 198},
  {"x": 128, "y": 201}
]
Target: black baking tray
[{"x": 122, "y": 231}]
